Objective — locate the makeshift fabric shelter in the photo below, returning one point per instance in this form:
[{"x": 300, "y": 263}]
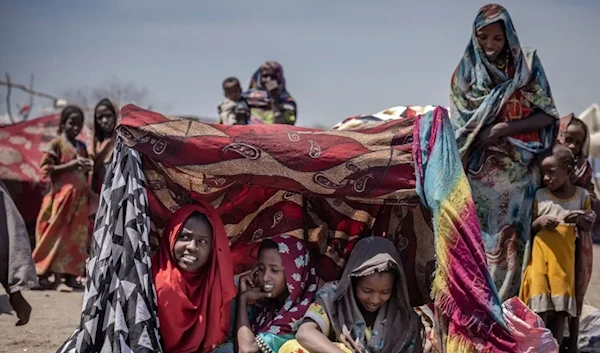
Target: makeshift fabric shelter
[
  {"x": 21, "y": 149},
  {"x": 400, "y": 179}
]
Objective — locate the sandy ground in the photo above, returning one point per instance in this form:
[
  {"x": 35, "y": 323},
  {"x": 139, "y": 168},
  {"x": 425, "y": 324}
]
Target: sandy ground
[{"x": 55, "y": 316}]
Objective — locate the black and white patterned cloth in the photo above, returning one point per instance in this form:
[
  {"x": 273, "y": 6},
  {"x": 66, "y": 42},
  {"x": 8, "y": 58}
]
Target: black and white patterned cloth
[{"x": 119, "y": 307}]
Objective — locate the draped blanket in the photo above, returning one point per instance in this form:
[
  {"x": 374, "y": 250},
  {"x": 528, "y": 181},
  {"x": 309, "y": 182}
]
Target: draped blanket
[
  {"x": 119, "y": 311},
  {"x": 328, "y": 187},
  {"x": 463, "y": 290}
]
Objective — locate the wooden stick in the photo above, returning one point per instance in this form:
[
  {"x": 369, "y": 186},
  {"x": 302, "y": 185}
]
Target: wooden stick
[
  {"x": 23, "y": 88},
  {"x": 12, "y": 120},
  {"x": 26, "y": 116}
]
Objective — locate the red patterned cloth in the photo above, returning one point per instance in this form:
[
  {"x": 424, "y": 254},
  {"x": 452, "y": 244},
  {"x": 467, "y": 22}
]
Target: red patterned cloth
[
  {"x": 326, "y": 187},
  {"x": 21, "y": 152}
]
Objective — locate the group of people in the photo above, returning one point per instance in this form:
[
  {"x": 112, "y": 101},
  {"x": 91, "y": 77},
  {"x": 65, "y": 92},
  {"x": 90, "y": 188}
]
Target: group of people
[
  {"x": 529, "y": 173},
  {"x": 75, "y": 173},
  {"x": 266, "y": 101},
  {"x": 532, "y": 186},
  {"x": 278, "y": 306},
  {"x": 529, "y": 176}
]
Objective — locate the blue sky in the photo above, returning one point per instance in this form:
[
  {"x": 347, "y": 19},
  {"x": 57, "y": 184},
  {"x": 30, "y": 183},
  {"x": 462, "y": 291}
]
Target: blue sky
[{"x": 341, "y": 58}]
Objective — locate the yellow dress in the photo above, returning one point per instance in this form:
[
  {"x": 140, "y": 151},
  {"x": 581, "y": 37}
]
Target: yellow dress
[{"x": 549, "y": 278}]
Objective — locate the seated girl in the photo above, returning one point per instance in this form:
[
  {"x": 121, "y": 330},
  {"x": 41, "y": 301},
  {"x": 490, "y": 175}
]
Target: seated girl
[
  {"x": 193, "y": 276},
  {"x": 368, "y": 310},
  {"x": 273, "y": 298}
]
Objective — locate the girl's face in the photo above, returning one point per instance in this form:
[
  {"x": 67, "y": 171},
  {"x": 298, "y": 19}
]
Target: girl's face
[
  {"x": 106, "y": 119},
  {"x": 374, "y": 290},
  {"x": 73, "y": 125},
  {"x": 492, "y": 40},
  {"x": 270, "y": 275},
  {"x": 555, "y": 175},
  {"x": 575, "y": 138},
  {"x": 193, "y": 246}
]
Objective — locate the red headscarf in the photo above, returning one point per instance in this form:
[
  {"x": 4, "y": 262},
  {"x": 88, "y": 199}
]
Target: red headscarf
[{"x": 191, "y": 320}]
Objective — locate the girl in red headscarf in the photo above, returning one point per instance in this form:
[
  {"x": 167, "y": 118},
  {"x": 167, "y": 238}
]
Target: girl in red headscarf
[{"x": 194, "y": 261}]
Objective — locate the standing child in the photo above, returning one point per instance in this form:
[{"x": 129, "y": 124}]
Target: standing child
[
  {"x": 231, "y": 109},
  {"x": 575, "y": 135},
  {"x": 560, "y": 211},
  {"x": 62, "y": 225}
]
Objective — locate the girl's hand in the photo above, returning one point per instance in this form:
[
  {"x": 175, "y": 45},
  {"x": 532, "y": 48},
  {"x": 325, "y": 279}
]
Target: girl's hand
[
  {"x": 355, "y": 346},
  {"x": 549, "y": 222},
  {"x": 572, "y": 218},
  {"x": 254, "y": 295},
  {"x": 247, "y": 280},
  {"x": 589, "y": 217},
  {"x": 84, "y": 164},
  {"x": 585, "y": 221},
  {"x": 248, "y": 350}
]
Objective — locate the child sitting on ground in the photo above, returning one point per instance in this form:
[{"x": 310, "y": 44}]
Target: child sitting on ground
[{"x": 561, "y": 209}]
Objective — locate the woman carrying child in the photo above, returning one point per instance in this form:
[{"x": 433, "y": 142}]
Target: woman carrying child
[
  {"x": 193, "y": 277},
  {"x": 62, "y": 225},
  {"x": 561, "y": 210},
  {"x": 267, "y": 97},
  {"x": 367, "y": 311}
]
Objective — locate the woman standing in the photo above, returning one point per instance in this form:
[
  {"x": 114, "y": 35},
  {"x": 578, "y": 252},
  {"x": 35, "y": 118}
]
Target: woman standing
[{"x": 504, "y": 115}]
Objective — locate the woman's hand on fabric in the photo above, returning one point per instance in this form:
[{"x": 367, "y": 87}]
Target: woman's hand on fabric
[{"x": 549, "y": 222}]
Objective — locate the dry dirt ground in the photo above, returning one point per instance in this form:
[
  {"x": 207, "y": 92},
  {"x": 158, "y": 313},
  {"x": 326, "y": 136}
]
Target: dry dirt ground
[{"x": 55, "y": 315}]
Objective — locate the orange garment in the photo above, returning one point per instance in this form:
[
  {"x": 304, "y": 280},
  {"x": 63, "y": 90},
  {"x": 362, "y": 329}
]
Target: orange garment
[
  {"x": 62, "y": 225},
  {"x": 191, "y": 320}
]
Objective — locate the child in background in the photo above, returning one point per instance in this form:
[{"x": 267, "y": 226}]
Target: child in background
[
  {"x": 61, "y": 232},
  {"x": 575, "y": 135},
  {"x": 560, "y": 211},
  {"x": 231, "y": 110}
]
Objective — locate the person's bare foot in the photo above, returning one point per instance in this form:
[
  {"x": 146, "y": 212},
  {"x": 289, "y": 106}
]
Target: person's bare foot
[
  {"x": 63, "y": 288},
  {"x": 21, "y": 308}
]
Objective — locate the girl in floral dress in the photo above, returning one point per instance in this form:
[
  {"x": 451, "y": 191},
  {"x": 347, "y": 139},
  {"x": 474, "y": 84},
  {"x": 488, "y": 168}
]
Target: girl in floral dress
[{"x": 62, "y": 226}]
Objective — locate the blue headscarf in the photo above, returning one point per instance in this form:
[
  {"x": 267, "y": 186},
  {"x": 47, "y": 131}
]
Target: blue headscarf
[{"x": 479, "y": 90}]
